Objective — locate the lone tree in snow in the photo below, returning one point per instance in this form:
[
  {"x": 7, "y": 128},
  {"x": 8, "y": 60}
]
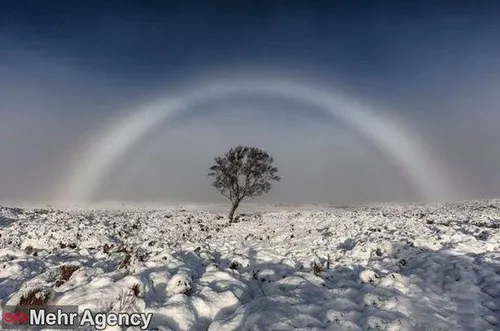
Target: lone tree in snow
[{"x": 243, "y": 172}]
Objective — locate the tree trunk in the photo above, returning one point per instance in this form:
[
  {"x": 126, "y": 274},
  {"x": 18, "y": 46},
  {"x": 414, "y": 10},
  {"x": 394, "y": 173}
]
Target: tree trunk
[{"x": 233, "y": 209}]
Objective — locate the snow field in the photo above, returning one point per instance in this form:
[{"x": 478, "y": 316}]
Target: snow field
[{"x": 381, "y": 267}]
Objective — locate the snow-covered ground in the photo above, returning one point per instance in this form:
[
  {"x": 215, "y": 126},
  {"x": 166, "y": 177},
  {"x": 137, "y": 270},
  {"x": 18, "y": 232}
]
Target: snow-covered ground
[{"x": 386, "y": 267}]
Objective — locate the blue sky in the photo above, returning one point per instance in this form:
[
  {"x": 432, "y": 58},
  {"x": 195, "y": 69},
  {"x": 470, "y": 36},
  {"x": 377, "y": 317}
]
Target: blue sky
[{"x": 67, "y": 67}]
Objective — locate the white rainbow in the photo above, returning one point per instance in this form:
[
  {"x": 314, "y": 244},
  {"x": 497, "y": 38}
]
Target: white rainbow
[{"x": 391, "y": 137}]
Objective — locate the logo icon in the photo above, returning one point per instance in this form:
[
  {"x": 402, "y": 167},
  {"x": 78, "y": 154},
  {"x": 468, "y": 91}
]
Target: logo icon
[{"x": 15, "y": 318}]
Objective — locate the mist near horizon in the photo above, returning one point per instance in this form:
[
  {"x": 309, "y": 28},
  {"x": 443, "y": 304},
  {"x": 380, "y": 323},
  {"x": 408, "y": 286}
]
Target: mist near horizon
[{"x": 59, "y": 88}]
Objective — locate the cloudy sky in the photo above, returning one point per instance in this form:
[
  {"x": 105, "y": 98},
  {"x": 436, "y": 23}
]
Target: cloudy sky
[{"x": 69, "y": 69}]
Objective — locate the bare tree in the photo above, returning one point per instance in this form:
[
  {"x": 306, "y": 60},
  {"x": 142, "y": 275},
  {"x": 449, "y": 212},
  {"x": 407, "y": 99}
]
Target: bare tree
[{"x": 243, "y": 172}]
